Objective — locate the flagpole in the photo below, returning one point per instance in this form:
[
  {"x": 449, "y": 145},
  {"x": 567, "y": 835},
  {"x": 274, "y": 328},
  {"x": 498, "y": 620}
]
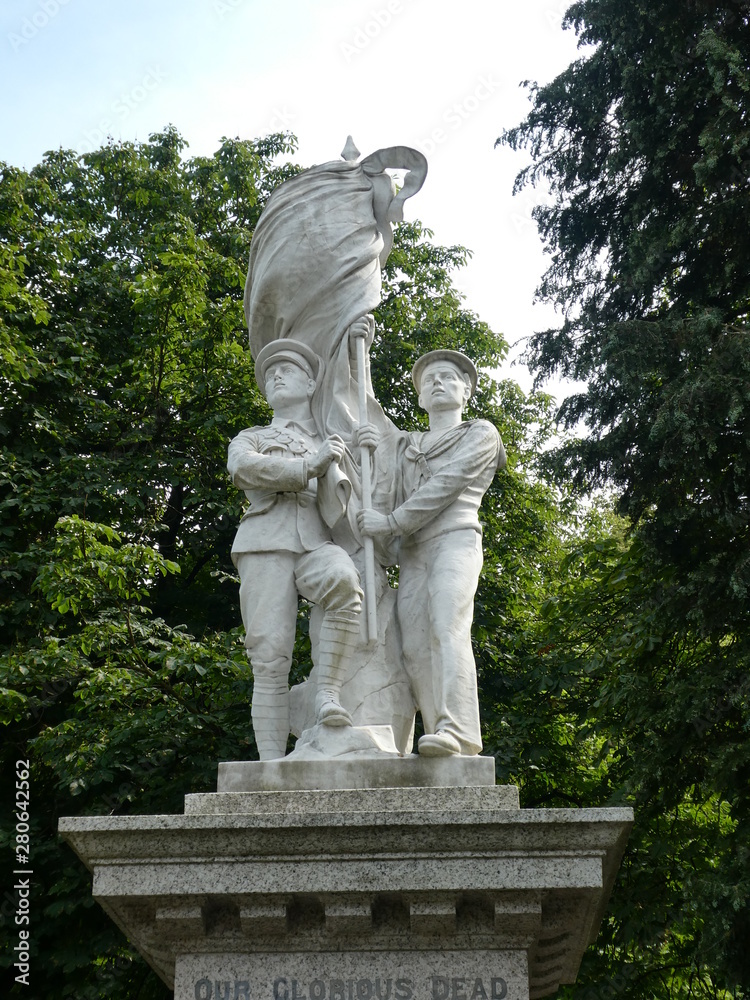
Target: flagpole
[{"x": 370, "y": 606}]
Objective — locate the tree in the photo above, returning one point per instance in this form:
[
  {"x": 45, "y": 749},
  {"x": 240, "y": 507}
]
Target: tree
[
  {"x": 644, "y": 145},
  {"x": 125, "y": 373}
]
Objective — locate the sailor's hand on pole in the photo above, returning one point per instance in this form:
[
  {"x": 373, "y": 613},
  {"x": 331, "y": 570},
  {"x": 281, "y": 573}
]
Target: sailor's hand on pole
[{"x": 372, "y": 524}]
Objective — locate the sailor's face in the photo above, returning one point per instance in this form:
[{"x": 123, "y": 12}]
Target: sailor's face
[
  {"x": 287, "y": 382},
  {"x": 443, "y": 387}
]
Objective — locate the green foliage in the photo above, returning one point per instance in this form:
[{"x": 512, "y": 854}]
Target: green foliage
[
  {"x": 644, "y": 146},
  {"x": 659, "y": 719}
]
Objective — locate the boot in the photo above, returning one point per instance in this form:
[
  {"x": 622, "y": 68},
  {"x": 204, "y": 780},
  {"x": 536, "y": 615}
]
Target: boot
[{"x": 339, "y": 631}]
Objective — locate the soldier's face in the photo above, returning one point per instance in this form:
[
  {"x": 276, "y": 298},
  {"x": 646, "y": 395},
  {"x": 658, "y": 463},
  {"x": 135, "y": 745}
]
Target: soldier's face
[
  {"x": 443, "y": 387},
  {"x": 286, "y": 382}
]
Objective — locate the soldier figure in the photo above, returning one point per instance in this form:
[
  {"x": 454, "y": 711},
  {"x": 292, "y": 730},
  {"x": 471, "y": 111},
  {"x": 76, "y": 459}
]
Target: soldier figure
[{"x": 283, "y": 545}]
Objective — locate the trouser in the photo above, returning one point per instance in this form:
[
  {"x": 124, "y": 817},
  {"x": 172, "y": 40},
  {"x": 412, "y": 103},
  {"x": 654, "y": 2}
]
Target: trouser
[
  {"x": 270, "y": 583},
  {"x": 437, "y": 582}
]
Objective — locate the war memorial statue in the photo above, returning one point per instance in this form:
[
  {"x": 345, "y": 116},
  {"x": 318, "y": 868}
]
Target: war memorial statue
[{"x": 312, "y": 520}]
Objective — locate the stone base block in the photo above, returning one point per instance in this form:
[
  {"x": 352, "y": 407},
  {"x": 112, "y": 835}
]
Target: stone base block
[
  {"x": 375, "y": 806},
  {"x": 382, "y": 771}
]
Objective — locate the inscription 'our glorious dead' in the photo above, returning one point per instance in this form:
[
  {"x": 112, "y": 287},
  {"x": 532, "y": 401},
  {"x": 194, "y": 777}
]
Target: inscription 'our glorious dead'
[{"x": 287, "y": 988}]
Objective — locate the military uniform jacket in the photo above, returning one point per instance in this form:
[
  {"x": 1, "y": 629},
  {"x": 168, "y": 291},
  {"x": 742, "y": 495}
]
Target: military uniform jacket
[{"x": 270, "y": 465}]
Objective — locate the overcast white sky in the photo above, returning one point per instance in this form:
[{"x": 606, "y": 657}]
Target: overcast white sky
[{"x": 439, "y": 75}]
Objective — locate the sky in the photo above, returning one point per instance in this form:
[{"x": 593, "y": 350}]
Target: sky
[{"x": 442, "y": 76}]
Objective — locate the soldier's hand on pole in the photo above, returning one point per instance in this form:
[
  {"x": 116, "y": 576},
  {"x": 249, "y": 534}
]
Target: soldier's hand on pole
[
  {"x": 367, "y": 436},
  {"x": 332, "y": 450},
  {"x": 363, "y": 328}
]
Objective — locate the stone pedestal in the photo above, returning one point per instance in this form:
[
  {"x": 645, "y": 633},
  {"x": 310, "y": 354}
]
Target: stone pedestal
[{"x": 432, "y": 893}]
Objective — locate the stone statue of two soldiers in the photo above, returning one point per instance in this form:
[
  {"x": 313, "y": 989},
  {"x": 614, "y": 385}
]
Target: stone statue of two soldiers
[{"x": 307, "y": 521}]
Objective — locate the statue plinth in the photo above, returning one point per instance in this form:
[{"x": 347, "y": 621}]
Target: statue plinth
[
  {"x": 442, "y": 893},
  {"x": 350, "y": 758}
]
